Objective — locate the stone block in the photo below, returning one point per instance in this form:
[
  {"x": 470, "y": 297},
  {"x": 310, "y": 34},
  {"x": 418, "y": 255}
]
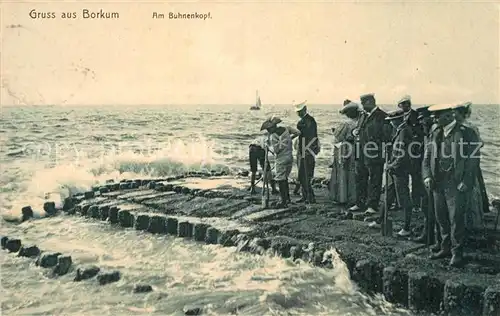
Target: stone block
[
  {"x": 363, "y": 274},
  {"x": 85, "y": 210},
  {"x": 85, "y": 273},
  {"x": 27, "y": 213},
  {"x": 47, "y": 260},
  {"x": 104, "y": 212},
  {"x": 212, "y": 235},
  {"x": 157, "y": 224},
  {"x": 178, "y": 189},
  {"x": 13, "y": 244},
  {"x": 63, "y": 265},
  {"x": 4, "y": 241},
  {"x": 418, "y": 285},
  {"x": 94, "y": 212},
  {"x": 461, "y": 299},
  {"x": 125, "y": 186},
  {"x": 89, "y": 194},
  {"x": 395, "y": 285},
  {"x": 185, "y": 229},
  {"x": 200, "y": 231},
  {"x": 29, "y": 251},
  {"x": 113, "y": 215},
  {"x": 491, "y": 301},
  {"x": 49, "y": 208},
  {"x": 125, "y": 218},
  {"x": 172, "y": 226},
  {"x": 108, "y": 277},
  {"x": 142, "y": 222},
  {"x": 185, "y": 190},
  {"x": 104, "y": 189},
  {"x": 142, "y": 288}
]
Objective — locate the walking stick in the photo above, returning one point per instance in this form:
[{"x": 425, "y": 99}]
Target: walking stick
[
  {"x": 431, "y": 225},
  {"x": 258, "y": 181},
  {"x": 387, "y": 223},
  {"x": 265, "y": 183}
]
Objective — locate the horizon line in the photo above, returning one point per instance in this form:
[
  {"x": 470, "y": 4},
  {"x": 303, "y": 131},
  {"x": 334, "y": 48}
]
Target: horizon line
[{"x": 209, "y": 104}]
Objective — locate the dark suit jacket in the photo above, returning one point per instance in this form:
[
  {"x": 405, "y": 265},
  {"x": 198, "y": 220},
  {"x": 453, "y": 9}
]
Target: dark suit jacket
[
  {"x": 400, "y": 162},
  {"x": 465, "y": 161},
  {"x": 308, "y": 139},
  {"x": 373, "y": 132}
]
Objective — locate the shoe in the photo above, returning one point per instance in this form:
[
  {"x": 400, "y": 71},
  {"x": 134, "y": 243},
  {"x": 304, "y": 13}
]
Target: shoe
[
  {"x": 420, "y": 239},
  {"x": 416, "y": 210},
  {"x": 374, "y": 225},
  {"x": 370, "y": 211},
  {"x": 440, "y": 255},
  {"x": 355, "y": 208},
  {"x": 403, "y": 233},
  {"x": 436, "y": 248},
  {"x": 456, "y": 261},
  {"x": 252, "y": 190}
]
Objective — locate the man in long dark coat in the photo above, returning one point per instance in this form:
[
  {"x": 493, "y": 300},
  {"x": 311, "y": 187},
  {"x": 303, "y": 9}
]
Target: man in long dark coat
[
  {"x": 373, "y": 133},
  {"x": 307, "y": 149}
]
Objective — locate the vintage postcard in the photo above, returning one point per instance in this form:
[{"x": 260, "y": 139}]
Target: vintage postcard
[{"x": 250, "y": 158}]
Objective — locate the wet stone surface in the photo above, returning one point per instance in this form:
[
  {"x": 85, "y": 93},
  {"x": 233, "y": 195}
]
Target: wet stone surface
[{"x": 398, "y": 268}]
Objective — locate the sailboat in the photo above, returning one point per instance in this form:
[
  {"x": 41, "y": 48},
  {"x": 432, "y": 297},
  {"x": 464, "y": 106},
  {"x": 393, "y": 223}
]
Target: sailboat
[{"x": 258, "y": 103}]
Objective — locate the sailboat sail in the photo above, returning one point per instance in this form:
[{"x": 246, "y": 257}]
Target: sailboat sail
[{"x": 258, "y": 102}]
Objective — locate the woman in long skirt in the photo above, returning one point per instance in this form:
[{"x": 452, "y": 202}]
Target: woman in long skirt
[{"x": 342, "y": 182}]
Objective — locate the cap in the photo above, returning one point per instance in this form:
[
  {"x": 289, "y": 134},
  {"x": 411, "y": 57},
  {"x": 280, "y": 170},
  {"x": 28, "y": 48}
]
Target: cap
[
  {"x": 349, "y": 106},
  {"x": 367, "y": 96},
  {"x": 395, "y": 115},
  {"x": 406, "y": 98},
  {"x": 423, "y": 112},
  {"x": 464, "y": 105},
  {"x": 439, "y": 108}
]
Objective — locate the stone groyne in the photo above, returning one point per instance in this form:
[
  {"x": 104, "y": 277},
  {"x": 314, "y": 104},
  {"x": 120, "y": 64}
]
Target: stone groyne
[{"x": 215, "y": 209}]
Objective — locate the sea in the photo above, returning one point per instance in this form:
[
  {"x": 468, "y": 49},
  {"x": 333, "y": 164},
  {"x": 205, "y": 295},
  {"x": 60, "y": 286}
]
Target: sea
[{"x": 50, "y": 152}]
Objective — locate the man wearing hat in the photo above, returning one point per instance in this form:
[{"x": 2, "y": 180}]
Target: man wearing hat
[
  {"x": 479, "y": 203},
  {"x": 372, "y": 132},
  {"x": 430, "y": 233},
  {"x": 449, "y": 167},
  {"x": 280, "y": 139},
  {"x": 416, "y": 175},
  {"x": 400, "y": 164},
  {"x": 405, "y": 104},
  {"x": 307, "y": 149}
]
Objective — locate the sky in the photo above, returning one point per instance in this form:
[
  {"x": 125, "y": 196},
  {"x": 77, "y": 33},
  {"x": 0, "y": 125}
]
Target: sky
[{"x": 315, "y": 51}]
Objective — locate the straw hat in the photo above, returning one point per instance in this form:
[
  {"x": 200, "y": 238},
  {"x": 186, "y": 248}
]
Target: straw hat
[
  {"x": 298, "y": 107},
  {"x": 270, "y": 122}
]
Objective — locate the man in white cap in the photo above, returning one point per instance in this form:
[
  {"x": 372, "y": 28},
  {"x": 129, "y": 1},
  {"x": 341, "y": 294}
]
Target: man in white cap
[
  {"x": 373, "y": 133},
  {"x": 280, "y": 139},
  {"x": 449, "y": 166},
  {"x": 307, "y": 149}
]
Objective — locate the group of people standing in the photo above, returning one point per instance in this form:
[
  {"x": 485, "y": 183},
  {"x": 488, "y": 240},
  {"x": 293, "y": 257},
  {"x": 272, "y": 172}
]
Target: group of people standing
[
  {"x": 279, "y": 141},
  {"x": 431, "y": 158}
]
